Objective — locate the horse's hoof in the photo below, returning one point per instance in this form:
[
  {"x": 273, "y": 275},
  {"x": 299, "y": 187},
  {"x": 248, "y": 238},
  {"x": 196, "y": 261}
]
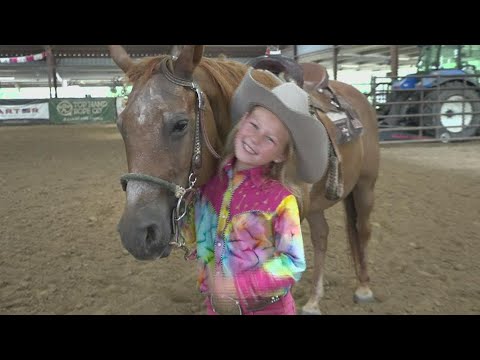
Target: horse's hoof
[{"x": 363, "y": 296}]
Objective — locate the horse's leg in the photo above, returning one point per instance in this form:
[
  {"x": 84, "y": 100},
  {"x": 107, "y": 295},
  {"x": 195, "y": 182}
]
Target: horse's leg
[
  {"x": 319, "y": 236},
  {"x": 359, "y": 206}
]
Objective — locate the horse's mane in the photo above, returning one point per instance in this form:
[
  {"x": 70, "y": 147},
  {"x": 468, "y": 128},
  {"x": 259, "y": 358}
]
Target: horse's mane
[
  {"x": 143, "y": 69},
  {"x": 227, "y": 74}
]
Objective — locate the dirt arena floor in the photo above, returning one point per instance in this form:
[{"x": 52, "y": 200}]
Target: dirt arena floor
[{"x": 60, "y": 201}]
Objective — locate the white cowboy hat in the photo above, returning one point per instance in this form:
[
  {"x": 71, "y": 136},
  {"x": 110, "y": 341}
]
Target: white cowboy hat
[{"x": 290, "y": 104}]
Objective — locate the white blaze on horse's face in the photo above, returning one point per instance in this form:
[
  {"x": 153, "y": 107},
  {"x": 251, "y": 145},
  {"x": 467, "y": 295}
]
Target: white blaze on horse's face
[
  {"x": 157, "y": 98},
  {"x": 144, "y": 112},
  {"x": 141, "y": 117}
]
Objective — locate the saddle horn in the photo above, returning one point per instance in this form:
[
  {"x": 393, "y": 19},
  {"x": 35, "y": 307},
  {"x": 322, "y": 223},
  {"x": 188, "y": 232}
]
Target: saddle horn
[{"x": 279, "y": 64}]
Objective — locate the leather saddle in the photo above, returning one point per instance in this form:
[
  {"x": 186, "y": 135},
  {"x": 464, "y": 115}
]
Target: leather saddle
[{"x": 315, "y": 76}]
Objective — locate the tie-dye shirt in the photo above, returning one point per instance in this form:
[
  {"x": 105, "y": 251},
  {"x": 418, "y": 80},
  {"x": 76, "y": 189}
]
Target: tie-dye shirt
[{"x": 249, "y": 226}]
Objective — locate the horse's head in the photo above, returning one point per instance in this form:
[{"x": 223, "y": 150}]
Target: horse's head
[{"x": 161, "y": 130}]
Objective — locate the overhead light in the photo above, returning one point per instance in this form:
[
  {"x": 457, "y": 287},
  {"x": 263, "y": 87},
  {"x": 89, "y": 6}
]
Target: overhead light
[{"x": 7, "y": 78}]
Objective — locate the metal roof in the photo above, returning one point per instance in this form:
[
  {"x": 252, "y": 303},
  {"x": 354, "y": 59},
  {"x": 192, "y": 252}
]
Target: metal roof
[
  {"x": 92, "y": 65},
  {"x": 134, "y": 50},
  {"x": 362, "y": 57}
]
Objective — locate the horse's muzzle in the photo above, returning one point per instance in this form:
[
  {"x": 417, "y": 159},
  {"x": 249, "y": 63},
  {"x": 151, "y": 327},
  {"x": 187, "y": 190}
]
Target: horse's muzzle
[{"x": 145, "y": 242}]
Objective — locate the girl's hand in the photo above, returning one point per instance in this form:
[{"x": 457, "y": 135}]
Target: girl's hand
[{"x": 223, "y": 292}]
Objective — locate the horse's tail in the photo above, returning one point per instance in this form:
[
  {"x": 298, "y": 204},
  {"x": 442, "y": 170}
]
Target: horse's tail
[{"x": 352, "y": 232}]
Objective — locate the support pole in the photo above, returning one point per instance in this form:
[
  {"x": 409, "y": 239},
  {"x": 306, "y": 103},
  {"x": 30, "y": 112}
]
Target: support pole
[
  {"x": 48, "y": 49},
  {"x": 336, "y": 49},
  {"x": 52, "y": 70},
  {"x": 394, "y": 60}
]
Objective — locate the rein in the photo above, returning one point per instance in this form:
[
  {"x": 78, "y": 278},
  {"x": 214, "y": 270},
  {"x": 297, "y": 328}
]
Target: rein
[{"x": 183, "y": 194}]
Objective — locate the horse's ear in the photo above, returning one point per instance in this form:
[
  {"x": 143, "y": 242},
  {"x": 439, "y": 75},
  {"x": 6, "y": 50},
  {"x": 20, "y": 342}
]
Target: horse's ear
[
  {"x": 120, "y": 57},
  {"x": 187, "y": 60}
]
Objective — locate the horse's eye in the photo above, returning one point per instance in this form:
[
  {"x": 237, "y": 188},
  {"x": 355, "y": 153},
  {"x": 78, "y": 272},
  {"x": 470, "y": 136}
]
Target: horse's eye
[{"x": 180, "y": 126}]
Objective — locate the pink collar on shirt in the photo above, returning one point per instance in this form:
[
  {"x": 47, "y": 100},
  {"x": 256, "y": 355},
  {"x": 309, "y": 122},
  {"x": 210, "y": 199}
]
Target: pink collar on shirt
[
  {"x": 254, "y": 191},
  {"x": 256, "y": 174}
]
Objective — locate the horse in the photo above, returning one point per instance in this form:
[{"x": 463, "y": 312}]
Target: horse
[{"x": 174, "y": 126}]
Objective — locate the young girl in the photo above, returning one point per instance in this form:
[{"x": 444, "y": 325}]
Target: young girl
[{"x": 246, "y": 218}]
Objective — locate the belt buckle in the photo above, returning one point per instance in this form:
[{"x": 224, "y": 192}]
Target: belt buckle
[
  {"x": 264, "y": 302},
  {"x": 235, "y": 301}
]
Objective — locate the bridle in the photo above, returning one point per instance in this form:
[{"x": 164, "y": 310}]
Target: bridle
[{"x": 183, "y": 194}]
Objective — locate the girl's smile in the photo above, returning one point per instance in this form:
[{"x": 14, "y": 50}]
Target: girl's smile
[{"x": 261, "y": 139}]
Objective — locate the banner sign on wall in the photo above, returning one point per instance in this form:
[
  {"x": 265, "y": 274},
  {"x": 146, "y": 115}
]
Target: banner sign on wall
[
  {"x": 24, "y": 112},
  {"x": 80, "y": 110},
  {"x": 24, "y": 59}
]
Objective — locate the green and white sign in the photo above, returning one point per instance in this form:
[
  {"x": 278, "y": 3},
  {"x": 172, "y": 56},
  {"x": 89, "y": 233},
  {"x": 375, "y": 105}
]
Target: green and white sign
[{"x": 83, "y": 110}]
